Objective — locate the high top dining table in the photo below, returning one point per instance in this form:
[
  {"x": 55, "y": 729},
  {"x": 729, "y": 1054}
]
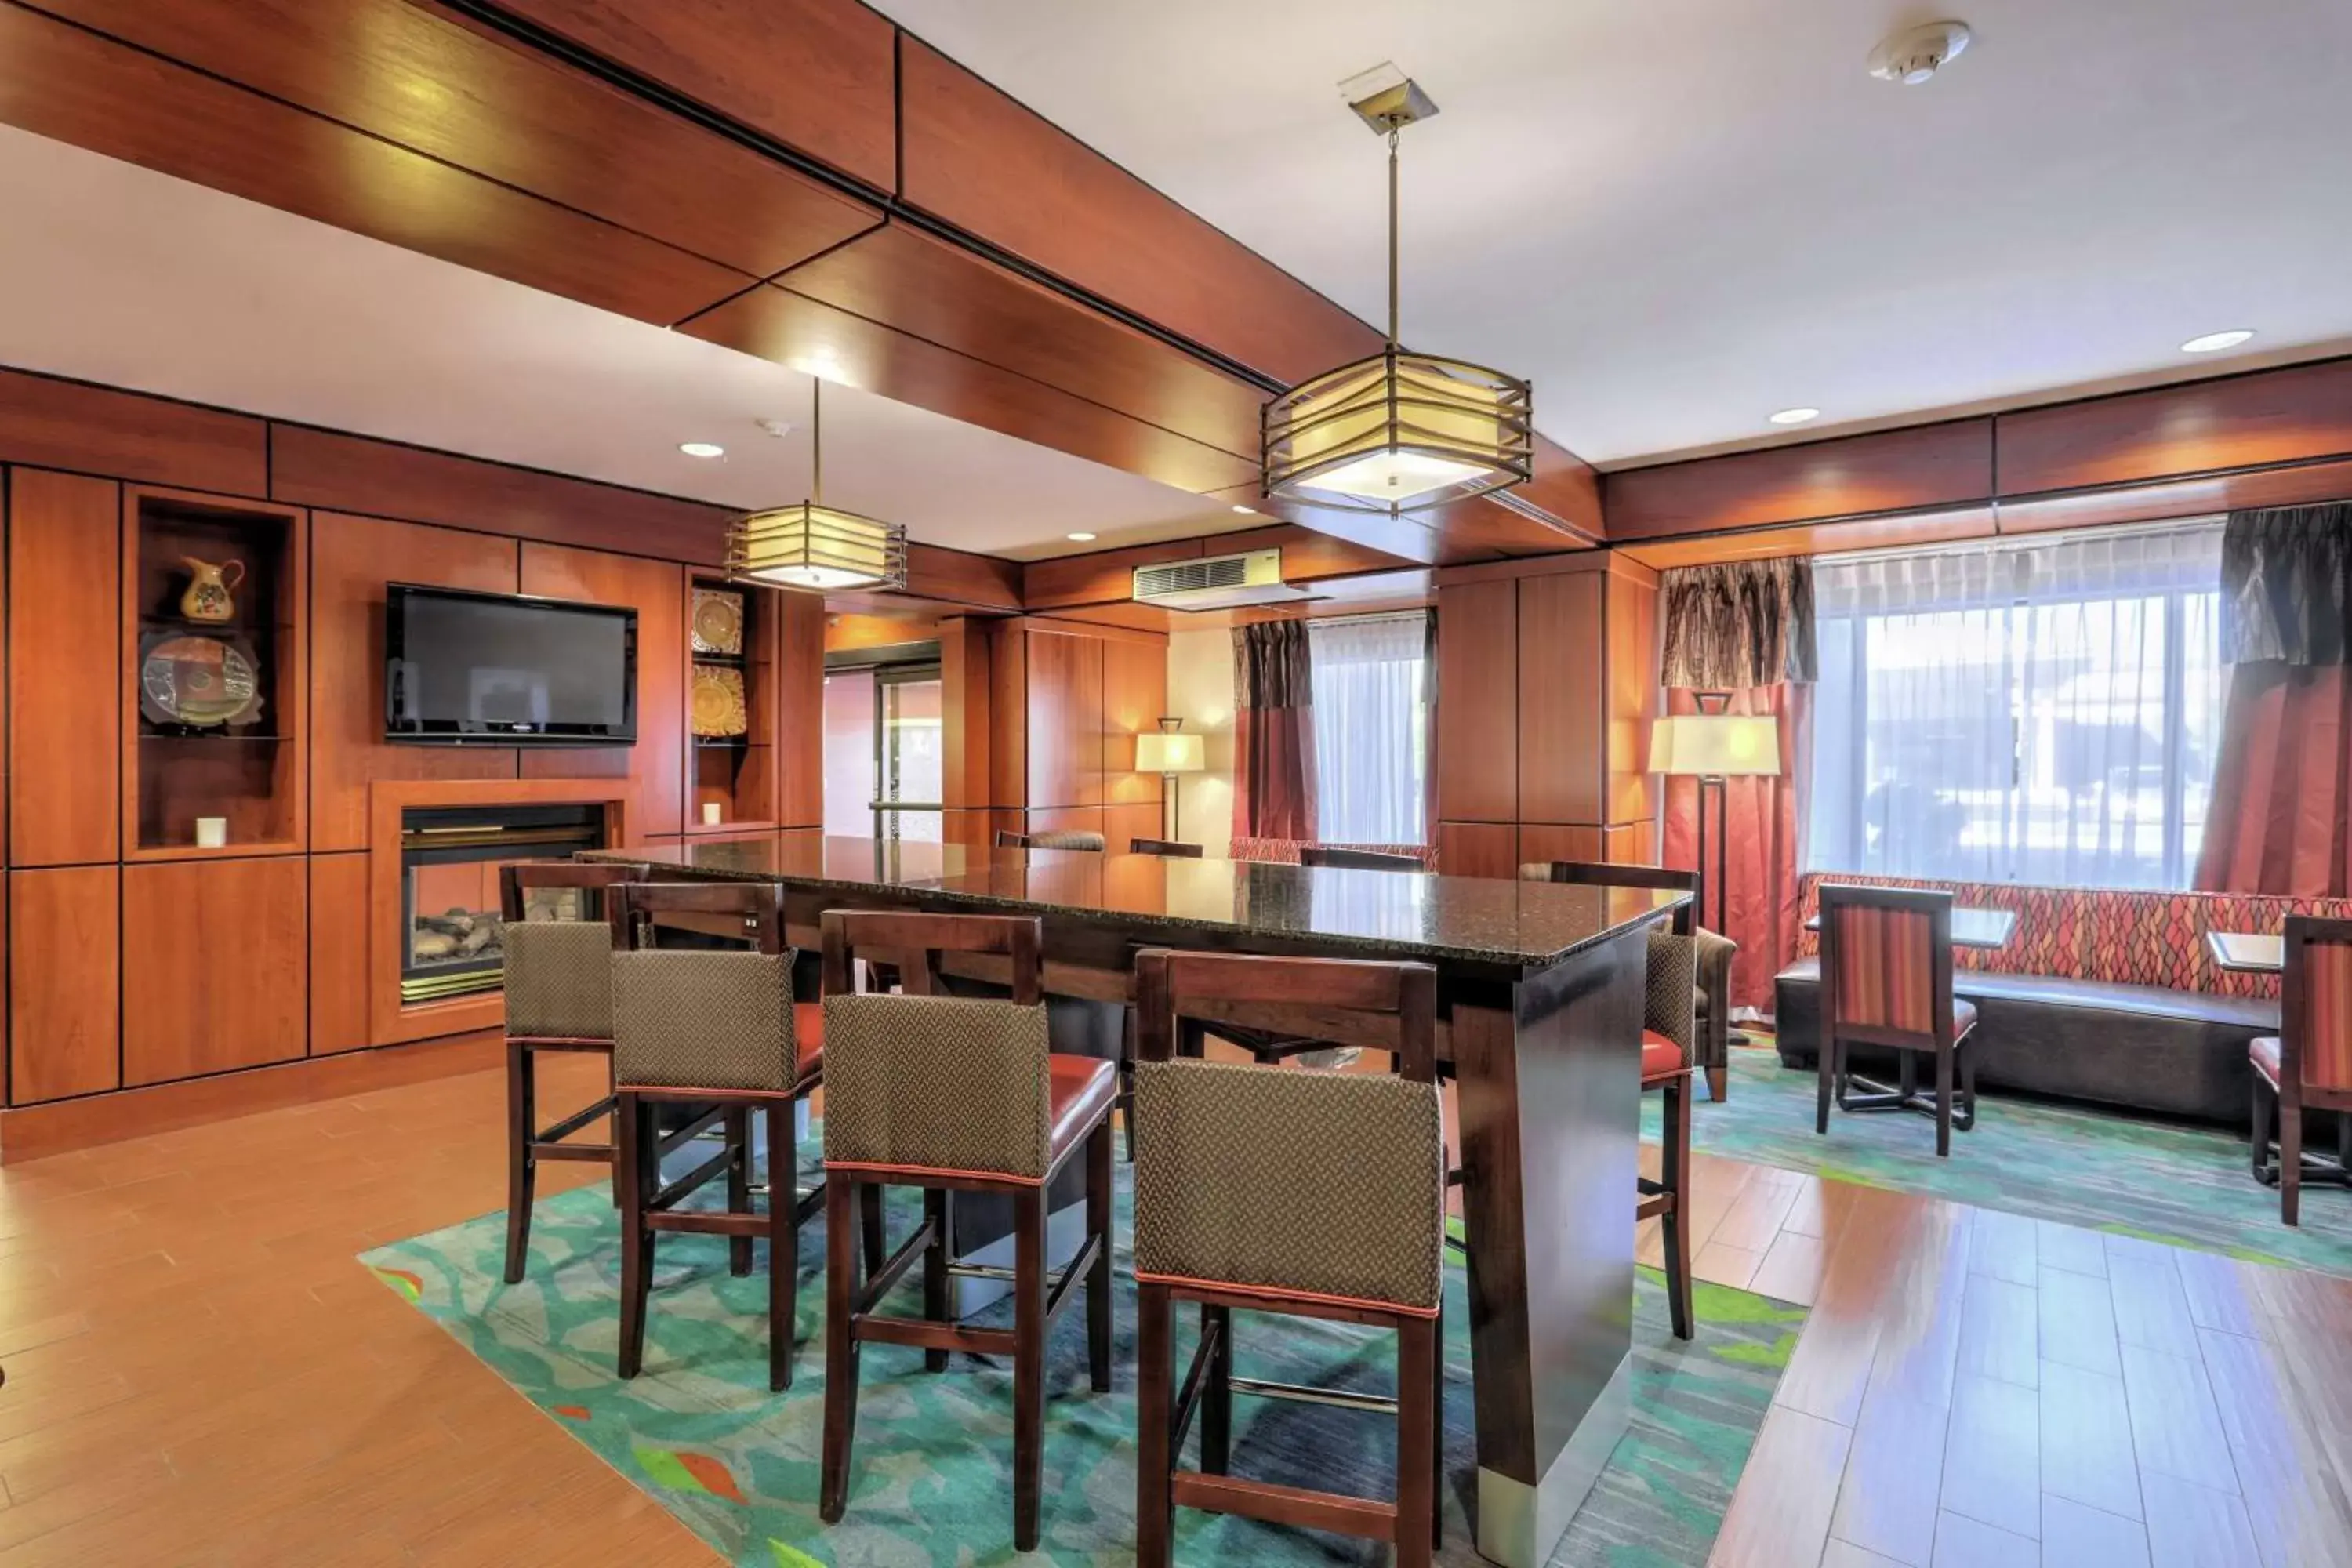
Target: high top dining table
[{"x": 1541, "y": 992}]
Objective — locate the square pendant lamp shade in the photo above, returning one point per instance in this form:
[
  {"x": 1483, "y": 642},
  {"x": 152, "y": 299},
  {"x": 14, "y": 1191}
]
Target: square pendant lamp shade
[
  {"x": 1398, "y": 432},
  {"x": 813, "y": 546},
  {"x": 1162, "y": 752},
  {"x": 1716, "y": 745}
]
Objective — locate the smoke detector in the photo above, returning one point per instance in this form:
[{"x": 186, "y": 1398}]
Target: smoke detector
[
  {"x": 778, "y": 428},
  {"x": 1914, "y": 55}
]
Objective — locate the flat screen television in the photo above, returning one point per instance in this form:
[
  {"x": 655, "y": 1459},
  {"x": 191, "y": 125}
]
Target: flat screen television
[{"x": 505, "y": 669}]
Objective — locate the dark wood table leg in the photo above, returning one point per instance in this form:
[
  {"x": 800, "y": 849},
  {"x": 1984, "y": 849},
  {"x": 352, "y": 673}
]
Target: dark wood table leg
[{"x": 1551, "y": 1105}]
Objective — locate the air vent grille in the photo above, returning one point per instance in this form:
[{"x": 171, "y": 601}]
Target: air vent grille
[{"x": 1180, "y": 576}]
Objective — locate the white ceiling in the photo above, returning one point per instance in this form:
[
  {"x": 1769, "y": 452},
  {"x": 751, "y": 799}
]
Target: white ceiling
[
  {"x": 1678, "y": 215},
  {"x": 112, "y": 273}
]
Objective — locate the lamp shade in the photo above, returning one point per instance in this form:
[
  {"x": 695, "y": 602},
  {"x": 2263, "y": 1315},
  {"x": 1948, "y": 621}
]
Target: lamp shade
[
  {"x": 1716, "y": 745},
  {"x": 1398, "y": 432},
  {"x": 811, "y": 546},
  {"x": 1162, "y": 752}
]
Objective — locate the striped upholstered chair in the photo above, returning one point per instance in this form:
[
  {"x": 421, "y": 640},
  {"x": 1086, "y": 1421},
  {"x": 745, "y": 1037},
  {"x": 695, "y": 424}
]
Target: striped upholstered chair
[
  {"x": 1052, "y": 838},
  {"x": 956, "y": 1094},
  {"x": 558, "y": 956},
  {"x": 2308, "y": 1065},
  {"x": 1312, "y": 1195},
  {"x": 1887, "y": 981}
]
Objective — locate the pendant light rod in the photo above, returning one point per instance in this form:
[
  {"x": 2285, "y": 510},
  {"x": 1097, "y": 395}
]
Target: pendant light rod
[
  {"x": 816, "y": 439},
  {"x": 1394, "y": 131}
]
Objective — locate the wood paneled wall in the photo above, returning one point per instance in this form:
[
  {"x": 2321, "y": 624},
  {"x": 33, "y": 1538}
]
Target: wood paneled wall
[
  {"x": 1546, "y": 678},
  {"x": 138, "y": 967},
  {"x": 1066, "y": 701}
]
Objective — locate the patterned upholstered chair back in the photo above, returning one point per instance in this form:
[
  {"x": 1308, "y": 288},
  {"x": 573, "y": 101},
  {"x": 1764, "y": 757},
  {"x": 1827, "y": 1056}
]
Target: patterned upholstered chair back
[
  {"x": 2315, "y": 1034},
  {"x": 1056, "y": 839},
  {"x": 1886, "y": 962},
  {"x": 932, "y": 1081},
  {"x": 1614, "y": 874},
  {"x": 1673, "y": 1007},
  {"x": 557, "y": 949},
  {"x": 690, "y": 1019},
  {"x": 1329, "y": 1184}
]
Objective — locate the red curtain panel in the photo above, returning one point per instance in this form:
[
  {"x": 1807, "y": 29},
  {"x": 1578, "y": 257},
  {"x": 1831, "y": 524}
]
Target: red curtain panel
[
  {"x": 1274, "y": 733},
  {"x": 2281, "y": 820}
]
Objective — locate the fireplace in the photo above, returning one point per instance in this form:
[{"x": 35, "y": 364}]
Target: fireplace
[{"x": 449, "y": 859}]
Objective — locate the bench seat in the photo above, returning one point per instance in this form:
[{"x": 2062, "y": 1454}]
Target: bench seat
[{"x": 2140, "y": 1047}]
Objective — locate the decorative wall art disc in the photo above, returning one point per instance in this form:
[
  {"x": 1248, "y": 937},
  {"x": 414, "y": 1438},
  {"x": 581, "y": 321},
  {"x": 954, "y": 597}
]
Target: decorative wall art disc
[
  {"x": 719, "y": 706},
  {"x": 718, "y": 621},
  {"x": 200, "y": 682}
]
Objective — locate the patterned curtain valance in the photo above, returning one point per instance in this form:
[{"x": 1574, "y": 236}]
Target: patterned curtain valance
[
  {"x": 2286, "y": 585},
  {"x": 1737, "y": 624},
  {"x": 1270, "y": 666}
]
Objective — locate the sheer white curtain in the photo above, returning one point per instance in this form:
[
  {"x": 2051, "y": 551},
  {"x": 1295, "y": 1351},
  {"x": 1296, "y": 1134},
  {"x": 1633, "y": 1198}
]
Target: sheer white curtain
[
  {"x": 2043, "y": 713},
  {"x": 1371, "y": 728}
]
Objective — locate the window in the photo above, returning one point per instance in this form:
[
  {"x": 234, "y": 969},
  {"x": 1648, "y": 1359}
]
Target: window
[
  {"x": 1371, "y": 728},
  {"x": 2044, "y": 713}
]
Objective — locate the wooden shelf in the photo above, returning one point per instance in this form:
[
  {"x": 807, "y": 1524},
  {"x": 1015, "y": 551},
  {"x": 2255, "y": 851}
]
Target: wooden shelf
[
  {"x": 230, "y": 851},
  {"x": 736, "y": 773},
  {"x": 707, "y": 829}
]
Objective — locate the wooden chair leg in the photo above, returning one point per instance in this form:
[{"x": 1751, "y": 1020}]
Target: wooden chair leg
[
  {"x": 938, "y": 1287},
  {"x": 870, "y": 1227},
  {"x": 840, "y": 1345},
  {"x": 1673, "y": 1174},
  {"x": 1718, "y": 1084},
  {"x": 1416, "y": 1483},
  {"x": 1827, "y": 1066},
  {"x": 2290, "y": 1140},
  {"x": 1437, "y": 1443},
  {"x": 1154, "y": 1398},
  {"x": 1028, "y": 1365},
  {"x": 636, "y": 1154},
  {"x": 1216, "y": 1411},
  {"x": 738, "y": 1186},
  {"x": 2265, "y": 1111},
  {"x": 1098, "y": 1284},
  {"x": 1943, "y": 1101},
  {"x": 522, "y": 1130},
  {"x": 784, "y": 1244}
]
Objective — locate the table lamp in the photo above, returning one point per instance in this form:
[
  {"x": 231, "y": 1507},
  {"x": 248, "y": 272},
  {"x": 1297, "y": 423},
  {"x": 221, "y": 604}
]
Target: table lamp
[
  {"x": 1168, "y": 753},
  {"x": 1712, "y": 745}
]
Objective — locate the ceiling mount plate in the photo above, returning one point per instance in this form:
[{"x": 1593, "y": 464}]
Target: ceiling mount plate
[{"x": 1386, "y": 99}]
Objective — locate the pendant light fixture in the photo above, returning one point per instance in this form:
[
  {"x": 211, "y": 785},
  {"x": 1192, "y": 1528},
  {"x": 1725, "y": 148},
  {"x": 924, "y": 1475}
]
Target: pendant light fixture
[
  {"x": 813, "y": 545},
  {"x": 1399, "y": 432}
]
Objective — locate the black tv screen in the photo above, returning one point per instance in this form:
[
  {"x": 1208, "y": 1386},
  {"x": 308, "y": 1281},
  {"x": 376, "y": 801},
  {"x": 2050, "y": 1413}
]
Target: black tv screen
[{"x": 464, "y": 668}]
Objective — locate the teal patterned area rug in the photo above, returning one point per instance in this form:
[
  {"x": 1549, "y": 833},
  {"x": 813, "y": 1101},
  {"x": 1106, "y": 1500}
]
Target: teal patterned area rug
[
  {"x": 2164, "y": 1181},
  {"x": 933, "y": 1484}
]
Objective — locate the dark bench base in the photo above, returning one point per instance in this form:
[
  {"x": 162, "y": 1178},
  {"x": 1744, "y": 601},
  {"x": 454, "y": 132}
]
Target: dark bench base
[{"x": 2140, "y": 1047}]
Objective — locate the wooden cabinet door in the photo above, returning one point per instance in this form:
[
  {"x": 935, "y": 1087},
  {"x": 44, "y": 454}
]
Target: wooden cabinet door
[
  {"x": 65, "y": 657},
  {"x": 217, "y": 965},
  {"x": 1064, "y": 699},
  {"x": 1477, "y": 702},
  {"x": 64, "y": 1004},
  {"x": 1562, "y": 739}
]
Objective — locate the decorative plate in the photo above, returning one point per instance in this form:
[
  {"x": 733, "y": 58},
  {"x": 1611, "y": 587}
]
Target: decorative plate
[
  {"x": 719, "y": 706},
  {"x": 718, "y": 621},
  {"x": 200, "y": 682}
]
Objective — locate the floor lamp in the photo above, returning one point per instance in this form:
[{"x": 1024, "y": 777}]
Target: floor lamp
[
  {"x": 1168, "y": 753},
  {"x": 1712, "y": 745}
]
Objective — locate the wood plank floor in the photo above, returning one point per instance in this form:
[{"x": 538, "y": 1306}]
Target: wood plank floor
[{"x": 199, "y": 1374}]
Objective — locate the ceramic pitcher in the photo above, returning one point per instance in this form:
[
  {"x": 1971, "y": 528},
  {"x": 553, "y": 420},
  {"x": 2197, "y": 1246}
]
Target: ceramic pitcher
[{"x": 207, "y": 598}]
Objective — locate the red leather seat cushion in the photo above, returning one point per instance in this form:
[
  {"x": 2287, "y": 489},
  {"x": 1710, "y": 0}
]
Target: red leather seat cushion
[
  {"x": 1661, "y": 1058},
  {"x": 2264, "y": 1054},
  {"x": 1078, "y": 1091}
]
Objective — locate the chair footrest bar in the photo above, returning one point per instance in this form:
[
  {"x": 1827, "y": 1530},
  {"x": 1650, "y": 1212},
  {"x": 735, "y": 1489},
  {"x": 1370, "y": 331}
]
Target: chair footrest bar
[
  {"x": 982, "y": 1271},
  {"x": 1336, "y": 1397},
  {"x": 1264, "y": 1501},
  {"x": 693, "y": 1180},
  {"x": 924, "y": 1334},
  {"x": 886, "y": 1279},
  {"x": 705, "y": 1221},
  {"x": 576, "y": 1120},
  {"x": 603, "y": 1153}
]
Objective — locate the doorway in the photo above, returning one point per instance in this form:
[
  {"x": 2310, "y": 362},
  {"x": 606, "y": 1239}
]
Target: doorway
[{"x": 884, "y": 760}]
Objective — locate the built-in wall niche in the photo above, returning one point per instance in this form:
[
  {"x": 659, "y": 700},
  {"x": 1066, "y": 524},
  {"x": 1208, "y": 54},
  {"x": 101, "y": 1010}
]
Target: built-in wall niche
[
  {"x": 730, "y": 706},
  {"x": 214, "y": 701}
]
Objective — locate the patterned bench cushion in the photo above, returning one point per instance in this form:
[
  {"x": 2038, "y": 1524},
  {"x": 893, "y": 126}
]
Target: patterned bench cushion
[{"x": 1284, "y": 851}]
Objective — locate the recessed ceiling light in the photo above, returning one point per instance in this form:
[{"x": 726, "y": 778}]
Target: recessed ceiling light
[
  {"x": 1080, "y": 538},
  {"x": 2215, "y": 342},
  {"x": 702, "y": 449},
  {"x": 1245, "y": 510},
  {"x": 1795, "y": 416}
]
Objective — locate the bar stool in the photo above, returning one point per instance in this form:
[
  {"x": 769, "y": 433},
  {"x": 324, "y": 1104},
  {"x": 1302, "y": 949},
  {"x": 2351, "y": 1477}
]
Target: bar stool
[
  {"x": 1886, "y": 980},
  {"x": 2308, "y": 1065},
  {"x": 1058, "y": 839},
  {"x": 1712, "y": 1046},
  {"x": 1173, "y": 849},
  {"x": 1312, "y": 1195},
  {"x": 698, "y": 1029},
  {"x": 559, "y": 997},
  {"x": 1669, "y": 1027},
  {"x": 1271, "y": 1046},
  {"x": 956, "y": 1094}
]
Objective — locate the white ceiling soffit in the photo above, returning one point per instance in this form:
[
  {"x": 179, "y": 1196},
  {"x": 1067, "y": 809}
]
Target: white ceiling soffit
[
  {"x": 1677, "y": 217},
  {"x": 112, "y": 273}
]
